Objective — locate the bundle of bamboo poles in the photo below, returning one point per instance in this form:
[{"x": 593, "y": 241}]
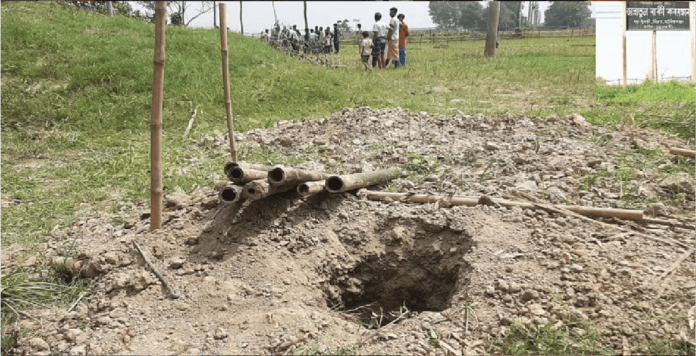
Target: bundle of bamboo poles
[{"x": 254, "y": 182}]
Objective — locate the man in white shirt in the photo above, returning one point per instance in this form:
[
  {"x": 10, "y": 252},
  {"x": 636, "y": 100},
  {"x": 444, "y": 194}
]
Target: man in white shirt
[
  {"x": 393, "y": 37},
  {"x": 379, "y": 41}
]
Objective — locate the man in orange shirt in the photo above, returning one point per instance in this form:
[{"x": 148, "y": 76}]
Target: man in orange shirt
[{"x": 403, "y": 33}]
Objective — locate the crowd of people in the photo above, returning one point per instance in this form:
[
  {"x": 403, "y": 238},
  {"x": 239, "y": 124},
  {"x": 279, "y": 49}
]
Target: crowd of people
[
  {"x": 386, "y": 45},
  {"x": 316, "y": 40}
]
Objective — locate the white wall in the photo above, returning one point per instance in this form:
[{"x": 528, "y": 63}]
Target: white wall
[{"x": 673, "y": 48}]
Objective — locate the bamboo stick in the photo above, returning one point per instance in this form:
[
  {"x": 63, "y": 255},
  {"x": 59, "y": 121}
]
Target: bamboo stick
[
  {"x": 231, "y": 193},
  {"x": 682, "y": 152},
  {"x": 308, "y": 188},
  {"x": 154, "y": 269},
  {"x": 260, "y": 189},
  {"x": 156, "y": 118},
  {"x": 280, "y": 175},
  {"x": 469, "y": 201},
  {"x": 226, "y": 80},
  {"x": 337, "y": 184},
  {"x": 245, "y": 175},
  {"x": 259, "y": 167},
  {"x": 669, "y": 223}
]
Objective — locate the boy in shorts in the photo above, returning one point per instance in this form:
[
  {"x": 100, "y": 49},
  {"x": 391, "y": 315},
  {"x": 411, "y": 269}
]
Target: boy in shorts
[{"x": 365, "y": 49}]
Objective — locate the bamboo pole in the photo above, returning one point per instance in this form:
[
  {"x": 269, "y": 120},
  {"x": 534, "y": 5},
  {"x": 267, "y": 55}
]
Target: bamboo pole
[
  {"x": 682, "y": 152},
  {"x": 259, "y": 167},
  {"x": 623, "y": 43},
  {"x": 156, "y": 118},
  {"x": 337, "y": 184},
  {"x": 245, "y": 175},
  {"x": 280, "y": 175},
  {"x": 309, "y": 188},
  {"x": 231, "y": 193},
  {"x": 469, "y": 201},
  {"x": 260, "y": 189},
  {"x": 226, "y": 80}
]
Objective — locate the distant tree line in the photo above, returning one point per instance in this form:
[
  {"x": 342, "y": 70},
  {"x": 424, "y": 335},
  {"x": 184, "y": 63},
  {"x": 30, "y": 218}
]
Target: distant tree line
[{"x": 473, "y": 16}]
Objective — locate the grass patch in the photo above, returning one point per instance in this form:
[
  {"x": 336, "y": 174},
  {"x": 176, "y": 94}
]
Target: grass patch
[
  {"x": 573, "y": 337},
  {"x": 671, "y": 347},
  {"x": 22, "y": 289},
  {"x": 647, "y": 92},
  {"x": 318, "y": 350}
]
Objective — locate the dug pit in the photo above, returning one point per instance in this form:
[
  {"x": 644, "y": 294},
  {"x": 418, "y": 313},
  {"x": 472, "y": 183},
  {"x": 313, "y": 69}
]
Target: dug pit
[{"x": 414, "y": 267}]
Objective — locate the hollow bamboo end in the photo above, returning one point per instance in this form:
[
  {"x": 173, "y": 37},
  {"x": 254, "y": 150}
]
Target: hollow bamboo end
[
  {"x": 237, "y": 173},
  {"x": 229, "y": 166},
  {"x": 230, "y": 194},
  {"x": 303, "y": 189},
  {"x": 334, "y": 184},
  {"x": 276, "y": 175}
]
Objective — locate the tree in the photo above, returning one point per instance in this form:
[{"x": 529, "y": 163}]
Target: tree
[
  {"x": 492, "y": 33},
  {"x": 177, "y": 9},
  {"x": 567, "y": 14},
  {"x": 306, "y": 24},
  {"x": 344, "y": 27},
  {"x": 457, "y": 15}
]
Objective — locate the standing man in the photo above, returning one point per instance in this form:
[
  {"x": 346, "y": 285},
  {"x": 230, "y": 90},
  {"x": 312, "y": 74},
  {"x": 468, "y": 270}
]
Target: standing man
[
  {"x": 403, "y": 33},
  {"x": 379, "y": 40},
  {"x": 393, "y": 37},
  {"x": 336, "y": 37}
]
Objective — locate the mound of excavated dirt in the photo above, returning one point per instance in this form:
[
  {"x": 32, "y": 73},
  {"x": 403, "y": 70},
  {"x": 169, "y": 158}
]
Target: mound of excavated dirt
[{"x": 286, "y": 275}]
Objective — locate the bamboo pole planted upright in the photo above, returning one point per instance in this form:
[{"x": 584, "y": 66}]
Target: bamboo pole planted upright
[
  {"x": 226, "y": 80},
  {"x": 623, "y": 43},
  {"x": 156, "y": 119}
]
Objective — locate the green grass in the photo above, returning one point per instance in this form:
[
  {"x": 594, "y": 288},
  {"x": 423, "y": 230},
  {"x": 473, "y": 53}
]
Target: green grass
[
  {"x": 647, "y": 92},
  {"x": 572, "y": 337}
]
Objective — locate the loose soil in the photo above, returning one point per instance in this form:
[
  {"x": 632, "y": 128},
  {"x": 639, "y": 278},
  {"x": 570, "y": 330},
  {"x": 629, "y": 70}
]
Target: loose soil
[{"x": 340, "y": 273}]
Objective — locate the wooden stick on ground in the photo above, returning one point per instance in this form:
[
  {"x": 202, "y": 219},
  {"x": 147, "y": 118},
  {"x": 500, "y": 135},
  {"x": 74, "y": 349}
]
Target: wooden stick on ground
[
  {"x": 190, "y": 124},
  {"x": 682, "y": 152},
  {"x": 156, "y": 118},
  {"x": 552, "y": 208},
  {"x": 156, "y": 272},
  {"x": 77, "y": 301},
  {"x": 226, "y": 80},
  {"x": 671, "y": 269}
]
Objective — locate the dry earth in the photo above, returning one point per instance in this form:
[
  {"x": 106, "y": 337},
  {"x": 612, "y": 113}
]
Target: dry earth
[{"x": 292, "y": 275}]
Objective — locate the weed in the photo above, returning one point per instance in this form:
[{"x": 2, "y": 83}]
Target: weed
[
  {"x": 572, "y": 337},
  {"x": 592, "y": 178},
  {"x": 318, "y": 350},
  {"x": 671, "y": 347}
]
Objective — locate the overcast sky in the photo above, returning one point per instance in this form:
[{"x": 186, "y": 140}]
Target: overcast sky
[{"x": 258, "y": 15}]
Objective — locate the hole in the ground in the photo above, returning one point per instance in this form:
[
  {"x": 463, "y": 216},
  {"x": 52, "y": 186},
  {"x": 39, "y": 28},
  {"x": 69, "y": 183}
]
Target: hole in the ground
[{"x": 381, "y": 290}]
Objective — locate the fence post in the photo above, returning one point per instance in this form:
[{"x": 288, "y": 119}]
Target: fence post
[{"x": 571, "y": 32}]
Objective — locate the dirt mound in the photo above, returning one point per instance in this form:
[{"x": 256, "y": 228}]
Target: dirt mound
[{"x": 340, "y": 273}]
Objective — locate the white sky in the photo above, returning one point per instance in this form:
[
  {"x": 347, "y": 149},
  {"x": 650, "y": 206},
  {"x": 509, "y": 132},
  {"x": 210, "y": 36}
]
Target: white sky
[{"x": 258, "y": 15}]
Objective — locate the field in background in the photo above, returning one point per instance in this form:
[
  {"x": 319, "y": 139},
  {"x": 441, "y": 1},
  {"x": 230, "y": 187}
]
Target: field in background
[{"x": 647, "y": 92}]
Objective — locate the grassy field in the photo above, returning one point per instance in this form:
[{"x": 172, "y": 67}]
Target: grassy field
[
  {"x": 77, "y": 86},
  {"x": 647, "y": 92}
]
